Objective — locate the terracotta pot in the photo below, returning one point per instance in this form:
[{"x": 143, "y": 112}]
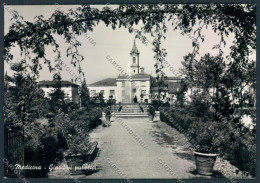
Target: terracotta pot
[
  {"x": 151, "y": 118},
  {"x": 76, "y": 160},
  {"x": 205, "y": 162},
  {"x": 156, "y": 116},
  {"x": 113, "y": 118},
  {"x": 108, "y": 118}
]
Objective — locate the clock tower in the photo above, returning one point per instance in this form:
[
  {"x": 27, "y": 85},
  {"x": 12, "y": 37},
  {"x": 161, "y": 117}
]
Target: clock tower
[{"x": 134, "y": 66}]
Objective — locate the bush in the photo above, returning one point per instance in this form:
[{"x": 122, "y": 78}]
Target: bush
[
  {"x": 204, "y": 136},
  {"x": 41, "y": 148},
  {"x": 241, "y": 152},
  {"x": 157, "y": 104},
  {"x": 151, "y": 110},
  {"x": 95, "y": 114},
  {"x": 180, "y": 118},
  {"x": 207, "y": 136},
  {"x": 76, "y": 126}
]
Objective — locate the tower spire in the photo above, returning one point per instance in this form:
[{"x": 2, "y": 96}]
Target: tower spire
[
  {"x": 134, "y": 49},
  {"x": 134, "y": 67}
]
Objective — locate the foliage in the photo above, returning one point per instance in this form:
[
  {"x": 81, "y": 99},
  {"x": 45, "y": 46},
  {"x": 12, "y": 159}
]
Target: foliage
[
  {"x": 75, "y": 127},
  {"x": 156, "y": 104},
  {"x": 206, "y": 136},
  {"x": 41, "y": 147},
  {"x": 108, "y": 110},
  {"x": 179, "y": 118},
  {"x": 97, "y": 100},
  {"x": 242, "y": 153},
  {"x": 180, "y": 95},
  {"x": 84, "y": 94},
  {"x": 221, "y": 136},
  {"x": 151, "y": 110},
  {"x": 224, "y": 19},
  {"x": 212, "y": 83},
  {"x": 23, "y": 98},
  {"x": 111, "y": 101},
  {"x": 57, "y": 96}
]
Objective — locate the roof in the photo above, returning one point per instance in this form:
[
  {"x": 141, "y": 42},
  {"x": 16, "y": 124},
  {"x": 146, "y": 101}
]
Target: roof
[
  {"x": 136, "y": 76},
  {"x": 52, "y": 83},
  {"x": 105, "y": 82},
  {"x": 134, "y": 49}
]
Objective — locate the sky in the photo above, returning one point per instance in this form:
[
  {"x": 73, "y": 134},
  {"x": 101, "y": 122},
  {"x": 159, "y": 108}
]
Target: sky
[{"x": 115, "y": 43}]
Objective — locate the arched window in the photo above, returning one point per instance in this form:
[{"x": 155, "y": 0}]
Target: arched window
[{"x": 134, "y": 60}]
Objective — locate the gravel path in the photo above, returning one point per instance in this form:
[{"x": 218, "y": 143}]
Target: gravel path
[{"x": 137, "y": 148}]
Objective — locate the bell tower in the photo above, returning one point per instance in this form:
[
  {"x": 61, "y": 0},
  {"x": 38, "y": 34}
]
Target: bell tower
[{"x": 134, "y": 66}]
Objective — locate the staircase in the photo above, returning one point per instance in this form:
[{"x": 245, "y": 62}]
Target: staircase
[{"x": 130, "y": 110}]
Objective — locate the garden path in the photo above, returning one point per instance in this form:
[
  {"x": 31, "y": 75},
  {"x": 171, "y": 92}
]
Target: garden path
[{"x": 167, "y": 153}]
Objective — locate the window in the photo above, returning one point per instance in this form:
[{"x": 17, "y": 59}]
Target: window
[
  {"x": 134, "y": 60},
  {"x": 134, "y": 70},
  {"x": 112, "y": 92},
  {"x": 123, "y": 84},
  {"x": 123, "y": 92},
  {"x": 102, "y": 91}
]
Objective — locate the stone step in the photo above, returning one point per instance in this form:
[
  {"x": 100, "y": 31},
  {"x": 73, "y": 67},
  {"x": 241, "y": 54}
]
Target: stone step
[
  {"x": 131, "y": 114},
  {"x": 130, "y": 109}
]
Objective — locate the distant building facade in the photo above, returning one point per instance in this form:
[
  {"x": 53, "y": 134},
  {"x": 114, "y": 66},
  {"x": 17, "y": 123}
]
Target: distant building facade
[
  {"x": 70, "y": 89},
  {"x": 134, "y": 85}
]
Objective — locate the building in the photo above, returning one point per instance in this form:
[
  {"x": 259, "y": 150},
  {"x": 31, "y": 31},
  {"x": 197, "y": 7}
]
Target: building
[
  {"x": 70, "y": 89},
  {"x": 135, "y": 86}
]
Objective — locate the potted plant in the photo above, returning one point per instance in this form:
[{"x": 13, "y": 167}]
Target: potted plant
[
  {"x": 151, "y": 112},
  {"x": 108, "y": 113},
  {"x": 205, "y": 137},
  {"x": 156, "y": 104},
  {"x": 80, "y": 150}
]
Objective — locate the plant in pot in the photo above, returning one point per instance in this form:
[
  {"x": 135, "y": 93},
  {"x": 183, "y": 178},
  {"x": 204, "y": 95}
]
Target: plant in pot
[
  {"x": 108, "y": 113},
  {"x": 156, "y": 104},
  {"x": 205, "y": 137},
  {"x": 151, "y": 112},
  {"x": 79, "y": 153}
]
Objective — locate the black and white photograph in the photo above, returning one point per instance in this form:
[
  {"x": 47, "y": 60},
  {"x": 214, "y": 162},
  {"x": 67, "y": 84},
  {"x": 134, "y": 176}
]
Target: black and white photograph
[{"x": 129, "y": 91}]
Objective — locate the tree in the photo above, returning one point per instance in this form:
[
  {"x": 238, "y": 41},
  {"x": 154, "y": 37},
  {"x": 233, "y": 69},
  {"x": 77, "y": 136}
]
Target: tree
[
  {"x": 24, "y": 101},
  {"x": 239, "y": 20},
  {"x": 57, "y": 96},
  {"x": 224, "y": 19},
  {"x": 180, "y": 95},
  {"x": 84, "y": 95}
]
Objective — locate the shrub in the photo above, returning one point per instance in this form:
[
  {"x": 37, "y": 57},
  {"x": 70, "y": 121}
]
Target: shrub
[
  {"x": 108, "y": 110},
  {"x": 225, "y": 138},
  {"x": 180, "y": 118},
  {"x": 78, "y": 144},
  {"x": 151, "y": 110},
  {"x": 157, "y": 104},
  {"x": 206, "y": 136},
  {"x": 41, "y": 148}
]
